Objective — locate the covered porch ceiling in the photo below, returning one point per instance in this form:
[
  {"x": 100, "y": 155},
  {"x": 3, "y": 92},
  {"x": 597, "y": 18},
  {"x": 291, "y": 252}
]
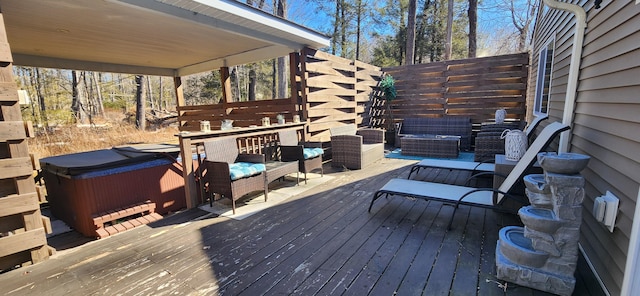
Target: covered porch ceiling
[{"x": 150, "y": 37}]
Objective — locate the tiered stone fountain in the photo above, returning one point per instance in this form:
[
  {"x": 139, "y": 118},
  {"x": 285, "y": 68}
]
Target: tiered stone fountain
[{"x": 543, "y": 254}]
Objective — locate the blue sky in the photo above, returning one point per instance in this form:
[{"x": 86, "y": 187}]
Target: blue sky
[{"x": 494, "y": 21}]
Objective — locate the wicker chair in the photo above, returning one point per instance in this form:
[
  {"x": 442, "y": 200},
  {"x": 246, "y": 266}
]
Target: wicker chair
[
  {"x": 354, "y": 148},
  {"x": 293, "y": 150},
  {"x": 220, "y": 153},
  {"x": 489, "y": 142}
]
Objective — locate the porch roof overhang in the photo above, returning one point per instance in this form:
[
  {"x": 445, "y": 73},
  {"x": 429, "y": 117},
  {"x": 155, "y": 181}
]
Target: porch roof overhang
[{"x": 150, "y": 37}]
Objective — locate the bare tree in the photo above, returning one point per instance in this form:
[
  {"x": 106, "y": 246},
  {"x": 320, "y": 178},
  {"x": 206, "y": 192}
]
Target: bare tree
[
  {"x": 99, "y": 99},
  {"x": 472, "y": 13},
  {"x": 282, "y": 74},
  {"x": 141, "y": 122},
  {"x": 411, "y": 33},
  {"x": 359, "y": 12},
  {"x": 448, "y": 46},
  {"x": 522, "y": 21},
  {"x": 76, "y": 97}
]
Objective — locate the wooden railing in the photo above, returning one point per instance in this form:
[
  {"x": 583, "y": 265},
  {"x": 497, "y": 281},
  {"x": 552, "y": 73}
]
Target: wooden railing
[
  {"x": 258, "y": 140},
  {"x": 243, "y": 114}
]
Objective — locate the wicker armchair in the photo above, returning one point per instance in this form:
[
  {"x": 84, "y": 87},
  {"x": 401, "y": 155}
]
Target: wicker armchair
[
  {"x": 220, "y": 153},
  {"x": 488, "y": 141},
  {"x": 354, "y": 148},
  {"x": 293, "y": 150}
]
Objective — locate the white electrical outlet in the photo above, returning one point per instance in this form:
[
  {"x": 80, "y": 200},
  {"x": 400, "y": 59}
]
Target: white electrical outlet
[{"x": 599, "y": 206}]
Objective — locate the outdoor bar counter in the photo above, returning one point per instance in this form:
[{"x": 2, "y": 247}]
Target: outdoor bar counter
[{"x": 191, "y": 143}]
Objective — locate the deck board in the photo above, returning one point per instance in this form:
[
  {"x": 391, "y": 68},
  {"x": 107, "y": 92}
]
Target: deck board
[{"x": 323, "y": 241}]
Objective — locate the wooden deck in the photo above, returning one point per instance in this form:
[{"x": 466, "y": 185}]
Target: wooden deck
[{"x": 322, "y": 242}]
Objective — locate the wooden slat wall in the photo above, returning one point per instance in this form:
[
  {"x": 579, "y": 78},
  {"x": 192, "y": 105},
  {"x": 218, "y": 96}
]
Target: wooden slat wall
[
  {"x": 367, "y": 79},
  {"x": 22, "y": 233},
  {"x": 328, "y": 93},
  {"x": 606, "y": 120},
  {"x": 243, "y": 114},
  {"x": 471, "y": 87}
]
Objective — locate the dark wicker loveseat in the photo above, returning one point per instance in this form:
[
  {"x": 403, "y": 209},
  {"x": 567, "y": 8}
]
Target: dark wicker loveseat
[
  {"x": 220, "y": 153},
  {"x": 448, "y": 125}
]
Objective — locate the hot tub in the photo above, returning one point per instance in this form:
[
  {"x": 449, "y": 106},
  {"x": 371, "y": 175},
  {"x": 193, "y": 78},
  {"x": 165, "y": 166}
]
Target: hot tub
[{"x": 84, "y": 185}]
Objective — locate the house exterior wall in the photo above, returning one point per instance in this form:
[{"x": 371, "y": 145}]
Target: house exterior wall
[{"x": 606, "y": 122}]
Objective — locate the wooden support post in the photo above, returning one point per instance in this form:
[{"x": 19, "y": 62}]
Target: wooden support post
[
  {"x": 304, "y": 108},
  {"x": 294, "y": 77},
  {"x": 190, "y": 191},
  {"x": 179, "y": 90},
  {"x": 227, "y": 97}
]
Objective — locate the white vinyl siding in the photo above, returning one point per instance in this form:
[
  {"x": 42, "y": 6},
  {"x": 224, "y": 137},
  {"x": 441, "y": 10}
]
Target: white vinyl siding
[{"x": 606, "y": 121}]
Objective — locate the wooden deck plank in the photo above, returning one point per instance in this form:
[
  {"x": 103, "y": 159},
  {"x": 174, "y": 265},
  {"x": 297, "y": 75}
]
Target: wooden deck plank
[
  {"x": 465, "y": 281},
  {"x": 379, "y": 230},
  {"x": 390, "y": 281},
  {"x": 318, "y": 242},
  {"x": 488, "y": 283},
  {"x": 267, "y": 259},
  {"x": 419, "y": 271},
  {"x": 223, "y": 251},
  {"x": 439, "y": 283},
  {"x": 376, "y": 266},
  {"x": 295, "y": 266}
]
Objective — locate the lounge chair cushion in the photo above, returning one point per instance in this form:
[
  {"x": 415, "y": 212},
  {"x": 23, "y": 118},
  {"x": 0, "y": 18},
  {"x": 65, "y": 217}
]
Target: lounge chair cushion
[
  {"x": 240, "y": 170},
  {"x": 312, "y": 152}
]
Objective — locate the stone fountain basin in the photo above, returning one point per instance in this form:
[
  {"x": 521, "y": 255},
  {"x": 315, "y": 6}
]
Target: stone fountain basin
[
  {"x": 538, "y": 191},
  {"x": 563, "y": 163},
  {"x": 519, "y": 249},
  {"x": 536, "y": 183},
  {"x": 542, "y": 220}
]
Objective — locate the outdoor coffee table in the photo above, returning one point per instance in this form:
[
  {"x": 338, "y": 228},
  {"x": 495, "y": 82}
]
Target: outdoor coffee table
[
  {"x": 431, "y": 145},
  {"x": 279, "y": 169}
]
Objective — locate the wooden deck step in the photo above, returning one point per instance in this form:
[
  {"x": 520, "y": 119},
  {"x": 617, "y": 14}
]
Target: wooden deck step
[{"x": 123, "y": 219}]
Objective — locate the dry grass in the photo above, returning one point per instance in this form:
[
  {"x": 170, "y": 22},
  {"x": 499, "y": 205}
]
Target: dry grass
[{"x": 73, "y": 139}]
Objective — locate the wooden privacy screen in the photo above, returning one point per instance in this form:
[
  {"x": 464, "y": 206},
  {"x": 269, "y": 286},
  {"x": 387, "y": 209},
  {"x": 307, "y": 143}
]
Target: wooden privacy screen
[
  {"x": 472, "y": 87},
  {"x": 22, "y": 233},
  {"x": 336, "y": 91},
  {"x": 327, "y": 91}
]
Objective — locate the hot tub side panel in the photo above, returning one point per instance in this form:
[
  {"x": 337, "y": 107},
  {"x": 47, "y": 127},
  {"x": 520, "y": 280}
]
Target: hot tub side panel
[{"x": 76, "y": 200}]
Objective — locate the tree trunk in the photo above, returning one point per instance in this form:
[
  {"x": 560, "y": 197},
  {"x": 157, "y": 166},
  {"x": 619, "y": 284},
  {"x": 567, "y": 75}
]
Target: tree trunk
[
  {"x": 336, "y": 25},
  {"x": 76, "y": 103},
  {"x": 252, "y": 84},
  {"x": 281, "y": 64},
  {"x": 358, "y": 27},
  {"x": 88, "y": 108},
  {"x": 448, "y": 44},
  {"x": 99, "y": 102},
  {"x": 473, "y": 24},
  {"x": 411, "y": 33},
  {"x": 343, "y": 30},
  {"x": 150, "y": 94},
  {"x": 40, "y": 97},
  {"x": 141, "y": 122}
]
